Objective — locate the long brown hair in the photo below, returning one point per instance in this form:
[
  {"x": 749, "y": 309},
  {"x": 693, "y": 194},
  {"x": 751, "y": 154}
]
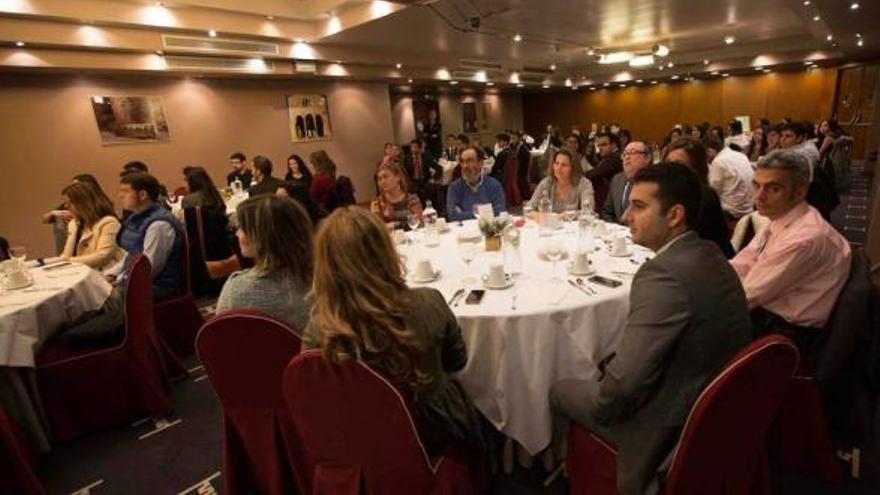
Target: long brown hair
[
  {"x": 574, "y": 178},
  {"x": 197, "y": 179},
  {"x": 396, "y": 171},
  {"x": 91, "y": 205},
  {"x": 323, "y": 164},
  {"x": 696, "y": 153},
  {"x": 281, "y": 232},
  {"x": 360, "y": 298}
]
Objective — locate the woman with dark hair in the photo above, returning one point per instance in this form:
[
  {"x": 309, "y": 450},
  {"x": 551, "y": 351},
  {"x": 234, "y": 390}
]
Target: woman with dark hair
[
  {"x": 364, "y": 311},
  {"x": 324, "y": 177},
  {"x": 297, "y": 172},
  {"x": 276, "y": 233},
  {"x": 565, "y": 186},
  {"x": 4, "y": 249},
  {"x": 91, "y": 235},
  {"x": 300, "y": 193},
  {"x": 202, "y": 191},
  {"x": 712, "y": 226},
  {"x": 757, "y": 145}
]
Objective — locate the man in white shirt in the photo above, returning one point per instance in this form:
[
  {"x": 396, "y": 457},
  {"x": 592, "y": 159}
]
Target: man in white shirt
[
  {"x": 730, "y": 175},
  {"x": 736, "y": 137}
]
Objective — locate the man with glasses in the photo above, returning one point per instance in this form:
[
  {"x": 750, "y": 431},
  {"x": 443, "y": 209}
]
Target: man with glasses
[
  {"x": 609, "y": 165},
  {"x": 636, "y": 156},
  {"x": 472, "y": 188}
]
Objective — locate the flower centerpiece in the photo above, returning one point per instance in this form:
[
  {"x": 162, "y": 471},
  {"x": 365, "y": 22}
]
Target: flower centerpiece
[{"x": 492, "y": 228}]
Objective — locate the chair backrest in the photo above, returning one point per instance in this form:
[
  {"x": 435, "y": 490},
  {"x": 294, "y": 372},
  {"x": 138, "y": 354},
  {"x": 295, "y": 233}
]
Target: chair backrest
[
  {"x": 139, "y": 324},
  {"x": 244, "y": 354},
  {"x": 349, "y": 419},
  {"x": 719, "y": 447}
]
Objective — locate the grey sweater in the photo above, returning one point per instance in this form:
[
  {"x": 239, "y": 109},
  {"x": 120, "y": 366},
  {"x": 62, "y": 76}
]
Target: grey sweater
[{"x": 273, "y": 294}]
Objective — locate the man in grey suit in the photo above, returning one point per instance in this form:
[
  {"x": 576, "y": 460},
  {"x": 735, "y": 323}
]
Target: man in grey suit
[
  {"x": 687, "y": 317},
  {"x": 636, "y": 156}
]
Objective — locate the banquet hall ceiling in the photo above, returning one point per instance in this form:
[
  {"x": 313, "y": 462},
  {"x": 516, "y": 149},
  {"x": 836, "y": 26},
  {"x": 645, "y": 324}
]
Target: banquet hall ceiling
[{"x": 475, "y": 42}]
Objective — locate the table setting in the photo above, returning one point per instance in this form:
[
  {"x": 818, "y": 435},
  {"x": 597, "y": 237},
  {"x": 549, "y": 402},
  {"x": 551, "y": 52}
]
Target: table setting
[{"x": 548, "y": 304}]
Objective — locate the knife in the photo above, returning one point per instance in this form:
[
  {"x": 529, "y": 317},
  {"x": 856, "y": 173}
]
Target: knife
[
  {"x": 455, "y": 296},
  {"x": 578, "y": 287}
]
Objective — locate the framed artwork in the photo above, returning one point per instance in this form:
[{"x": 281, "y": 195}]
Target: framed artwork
[
  {"x": 309, "y": 118},
  {"x": 130, "y": 119}
]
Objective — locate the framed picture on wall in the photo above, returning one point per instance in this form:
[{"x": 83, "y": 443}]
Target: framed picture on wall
[
  {"x": 309, "y": 118},
  {"x": 130, "y": 119},
  {"x": 469, "y": 117}
]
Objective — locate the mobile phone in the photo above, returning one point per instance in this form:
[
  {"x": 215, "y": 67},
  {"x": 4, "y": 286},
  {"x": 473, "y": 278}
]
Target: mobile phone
[
  {"x": 475, "y": 296},
  {"x": 607, "y": 282}
]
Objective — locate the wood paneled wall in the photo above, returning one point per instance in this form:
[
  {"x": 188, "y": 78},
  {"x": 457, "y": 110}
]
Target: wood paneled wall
[{"x": 650, "y": 111}]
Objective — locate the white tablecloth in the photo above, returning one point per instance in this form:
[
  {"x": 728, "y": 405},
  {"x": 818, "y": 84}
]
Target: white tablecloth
[
  {"x": 555, "y": 332},
  {"x": 30, "y": 316}
]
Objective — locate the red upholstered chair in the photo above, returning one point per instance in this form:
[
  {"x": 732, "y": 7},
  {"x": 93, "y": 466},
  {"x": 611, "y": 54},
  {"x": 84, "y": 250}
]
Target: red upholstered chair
[
  {"x": 17, "y": 460},
  {"x": 89, "y": 390},
  {"x": 244, "y": 354},
  {"x": 721, "y": 447},
  {"x": 356, "y": 434},
  {"x": 178, "y": 319}
]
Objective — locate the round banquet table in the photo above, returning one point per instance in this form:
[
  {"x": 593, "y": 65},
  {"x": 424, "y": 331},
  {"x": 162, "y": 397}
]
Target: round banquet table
[
  {"x": 28, "y": 317},
  {"x": 555, "y": 331}
]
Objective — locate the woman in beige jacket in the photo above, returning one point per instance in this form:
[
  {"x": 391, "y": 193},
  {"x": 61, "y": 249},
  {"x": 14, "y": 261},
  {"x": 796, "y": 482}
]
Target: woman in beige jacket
[{"x": 91, "y": 235}]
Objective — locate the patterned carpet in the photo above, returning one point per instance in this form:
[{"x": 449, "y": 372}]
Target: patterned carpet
[{"x": 184, "y": 454}]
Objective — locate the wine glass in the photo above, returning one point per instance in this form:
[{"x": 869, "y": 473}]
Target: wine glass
[
  {"x": 467, "y": 251},
  {"x": 554, "y": 252},
  {"x": 476, "y": 211}
]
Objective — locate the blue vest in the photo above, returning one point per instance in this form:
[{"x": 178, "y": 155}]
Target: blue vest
[{"x": 131, "y": 238}]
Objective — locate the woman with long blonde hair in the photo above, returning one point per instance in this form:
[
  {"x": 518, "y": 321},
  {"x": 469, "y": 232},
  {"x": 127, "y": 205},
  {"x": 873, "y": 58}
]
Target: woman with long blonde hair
[
  {"x": 394, "y": 203},
  {"x": 91, "y": 234},
  {"x": 363, "y": 310}
]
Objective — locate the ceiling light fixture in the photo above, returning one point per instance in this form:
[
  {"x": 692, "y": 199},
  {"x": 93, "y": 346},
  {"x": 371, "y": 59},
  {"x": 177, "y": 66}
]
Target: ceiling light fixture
[
  {"x": 653, "y": 82},
  {"x": 705, "y": 61},
  {"x": 399, "y": 66},
  {"x": 639, "y": 81},
  {"x": 725, "y": 75},
  {"x": 605, "y": 85},
  {"x": 729, "y": 40},
  {"x": 807, "y": 2},
  {"x": 592, "y": 88},
  {"x": 546, "y": 86},
  {"x": 160, "y": 53},
  {"x": 552, "y": 66},
  {"x": 567, "y": 82},
  {"x": 454, "y": 83},
  {"x": 641, "y": 61},
  {"x": 714, "y": 73},
  {"x": 591, "y": 51},
  {"x": 817, "y": 18},
  {"x": 674, "y": 77},
  {"x": 861, "y": 42},
  {"x": 490, "y": 83},
  {"x": 517, "y": 37},
  {"x": 19, "y": 44},
  {"x": 829, "y": 38},
  {"x": 766, "y": 71},
  {"x": 660, "y": 50},
  {"x": 615, "y": 57},
  {"x": 409, "y": 81},
  {"x": 212, "y": 33},
  {"x": 759, "y": 68},
  {"x": 623, "y": 85},
  {"x": 337, "y": 62},
  {"x": 854, "y": 6},
  {"x": 270, "y": 17},
  {"x": 520, "y": 85}
]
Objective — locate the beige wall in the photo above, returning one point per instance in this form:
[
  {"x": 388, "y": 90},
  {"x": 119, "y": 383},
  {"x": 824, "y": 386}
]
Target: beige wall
[
  {"x": 48, "y": 134},
  {"x": 505, "y": 112}
]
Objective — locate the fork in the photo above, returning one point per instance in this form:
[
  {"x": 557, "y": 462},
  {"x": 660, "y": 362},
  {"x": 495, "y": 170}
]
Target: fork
[{"x": 513, "y": 302}]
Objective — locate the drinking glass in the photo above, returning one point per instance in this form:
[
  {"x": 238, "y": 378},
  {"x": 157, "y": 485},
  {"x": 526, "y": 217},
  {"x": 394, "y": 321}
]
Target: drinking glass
[
  {"x": 467, "y": 251},
  {"x": 18, "y": 252},
  {"x": 554, "y": 252},
  {"x": 413, "y": 221}
]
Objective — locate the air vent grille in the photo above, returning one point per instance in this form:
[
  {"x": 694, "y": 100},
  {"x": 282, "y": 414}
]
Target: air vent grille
[
  {"x": 218, "y": 63},
  {"x": 214, "y": 45},
  {"x": 478, "y": 65}
]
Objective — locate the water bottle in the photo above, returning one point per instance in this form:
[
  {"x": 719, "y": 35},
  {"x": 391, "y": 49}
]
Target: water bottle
[
  {"x": 237, "y": 188},
  {"x": 545, "y": 207},
  {"x": 429, "y": 218}
]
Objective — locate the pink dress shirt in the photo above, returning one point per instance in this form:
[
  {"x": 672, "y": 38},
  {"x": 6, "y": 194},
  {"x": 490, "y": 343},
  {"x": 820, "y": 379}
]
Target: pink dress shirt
[{"x": 796, "y": 267}]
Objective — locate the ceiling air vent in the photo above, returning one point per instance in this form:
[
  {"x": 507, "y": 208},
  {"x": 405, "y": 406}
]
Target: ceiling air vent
[
  {"x": 218, "y": 63},
  {"x": 214, "y": 45},
  {"x": 536, "y": 71},
  {"x": 476, "y": 65}
]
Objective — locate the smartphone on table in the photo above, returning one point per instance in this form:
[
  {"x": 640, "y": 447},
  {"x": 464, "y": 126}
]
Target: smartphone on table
[{"x": 475, "y": 296}]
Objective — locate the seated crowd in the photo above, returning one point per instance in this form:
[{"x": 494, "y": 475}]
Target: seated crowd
[{"x": 304, "y": 254}]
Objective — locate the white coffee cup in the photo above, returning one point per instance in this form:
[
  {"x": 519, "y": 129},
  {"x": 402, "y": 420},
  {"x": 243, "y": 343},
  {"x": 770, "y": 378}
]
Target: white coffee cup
[
  {"x": 618, "y": 245},
  {"x": 424, "y": 270},
  {"x": 599, "y": 228},
  {"x": 15, "y": 279},
  {"x": 581, "y": 262},
  {"x": 495, "y": 277},
  {"x": 441, "y": 224}
]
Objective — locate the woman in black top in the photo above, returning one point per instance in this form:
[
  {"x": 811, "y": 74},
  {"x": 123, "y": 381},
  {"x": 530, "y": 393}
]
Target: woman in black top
[
  {"x": 298, "y": 172},
  {"x": 712, "y": 226}
]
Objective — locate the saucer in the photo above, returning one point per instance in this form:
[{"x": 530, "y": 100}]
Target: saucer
[
  {"x": 508, "y": 282},
  {"x": 625, "y": 254},
  {"x": 22, "y": 286},
  {"x": 434, "y": 277},
  {"x": 571, "y": 271}
]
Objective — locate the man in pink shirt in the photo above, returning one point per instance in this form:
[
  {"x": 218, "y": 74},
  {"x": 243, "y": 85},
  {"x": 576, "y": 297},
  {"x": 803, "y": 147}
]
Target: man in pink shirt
[{"x": 794, "y": 269}]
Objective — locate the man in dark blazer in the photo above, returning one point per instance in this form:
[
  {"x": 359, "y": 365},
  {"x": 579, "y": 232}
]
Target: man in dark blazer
[
  {"x": 420, "y": 165},
  {"x": 687, "y": 317},
  {"x": 636, "y": 156},
  {"x": 523, "y": 159},
  {"x": 502, "y": 144},
  {"x": 266, "y": 183}
]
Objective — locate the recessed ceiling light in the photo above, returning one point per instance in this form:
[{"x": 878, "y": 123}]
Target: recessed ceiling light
[
  {"x": 591, "y": 51},
  {"x": 19, "y": 43},
  {"x": 399, "y": 66},
  {"x": 858, "y": 35},
  {"x": 270, "y": 17},
  {"x": 714, "y": 73},
  {"x": 854, "y": 6},
  {"x": 212, "y": 33},
  {"x": 670, "y": 65},
  {"x": 546, "y": 86},
  {"x": 568, "y": 81},
  {"x": 705, "y": 62},
  {"x": 623, "y": 85},
  {"x": 807, "y": 2},
  {"x": 660, "y": 50},
  {"x": 337, "y": 62},
  {"x": 615, "y": 57},
  {"x": 520, "y": 85},
  {"x": 639, "y": 81},
  {"x": 675, "y": 77},
  {"x": 653, "y": 82},
  {"x": 409, "y": 81},
  {"x": 552, "y": 66},
  {"x": 861, "y": 42},
  {"x": 160, "y": 4},
  {"x": 766, "y": 71},
  {"x": 817, "y": 17},
  {"x": 829, "y": 37},
  {"x": 517, "y": 37},
  {"x": 759, "y": 68},
  {"x": 592, "y": 88},
  {"x": 725, "y": 75},
  {"x": 490, "y": 83},
  {"x": 605, "y": 85},
  {"x": 729, "y": 40},
  {"x": 453, "y": 83},
  {"x": 160, "y": 52},
  {"x": 808, "y": 62}
]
